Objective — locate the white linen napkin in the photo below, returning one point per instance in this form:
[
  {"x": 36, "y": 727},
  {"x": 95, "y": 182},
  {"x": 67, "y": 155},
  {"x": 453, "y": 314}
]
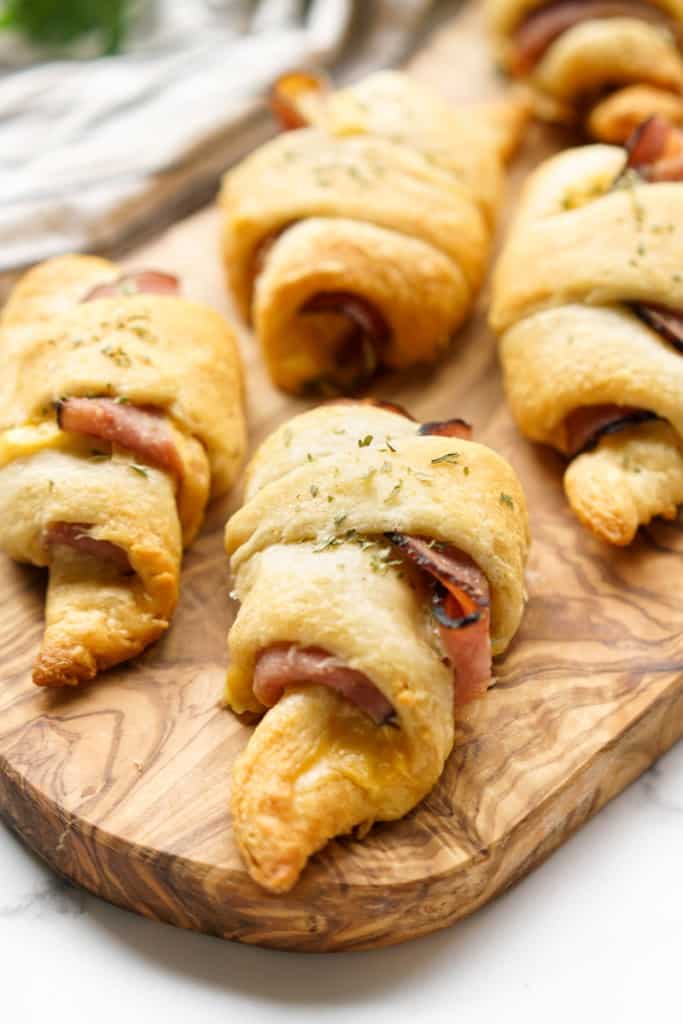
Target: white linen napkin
[{"x": 92, "y": 150}]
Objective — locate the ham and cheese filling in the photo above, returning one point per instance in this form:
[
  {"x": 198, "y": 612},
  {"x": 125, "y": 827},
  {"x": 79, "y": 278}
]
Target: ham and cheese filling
[
  {"x": 541, "y": 28},
  {"x": 136, "y": 282},
  {"x": 654, "y": 153},
  {"x": 585, "y": 426},
  {"x": 284, "y": 665},
  {"x": 358, "y": 354},
  {"x": 461, "y": 607},
  {"x": 142, "y": 430},
  {"x": 460, "y": 604},
  {"x": 77, "y": 537}
]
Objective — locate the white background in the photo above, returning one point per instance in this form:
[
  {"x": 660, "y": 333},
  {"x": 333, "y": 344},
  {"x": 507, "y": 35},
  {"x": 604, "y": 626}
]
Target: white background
[{"x": 594, "y": 935}]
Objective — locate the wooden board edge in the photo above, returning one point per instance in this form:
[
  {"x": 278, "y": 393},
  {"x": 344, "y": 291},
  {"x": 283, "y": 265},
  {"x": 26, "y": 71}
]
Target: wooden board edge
[{"x": 196, "y": 897}]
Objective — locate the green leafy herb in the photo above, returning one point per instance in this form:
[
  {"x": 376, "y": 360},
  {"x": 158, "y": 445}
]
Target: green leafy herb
[
  {"x": 382, "y": 561},
  {"x": 117, "y": 355},
  {"x": 140, "y": 470},
  {"x": 506, "y": 499},
  {"x": 329, "y": 542},
  {"x": 363, "y": 442},
  {"x": 451, "y": 457},
  {"x": 394, "y": 492},
  {"x": 58, "y": 22}
]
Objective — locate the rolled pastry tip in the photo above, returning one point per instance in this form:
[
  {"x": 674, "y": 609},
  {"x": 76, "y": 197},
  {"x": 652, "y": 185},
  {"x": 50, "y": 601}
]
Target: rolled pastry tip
[
  {"x": 571, "y": 52},
  {"x": 360, "y": 239},
  {"x": 627, "y": 480},
  {"x": 121, "y": 414},
  {"x": 379, "y": 566}
]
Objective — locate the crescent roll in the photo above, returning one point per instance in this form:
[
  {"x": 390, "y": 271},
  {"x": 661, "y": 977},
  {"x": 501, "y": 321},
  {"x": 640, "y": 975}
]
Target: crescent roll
[
  {"x": 379, "y": 565},
  {"x": 120, "y": 415},
  {"x": 362, "y": 238},
  {"x": 610, "y": 63},
  {"x": 587, "y": 298}
]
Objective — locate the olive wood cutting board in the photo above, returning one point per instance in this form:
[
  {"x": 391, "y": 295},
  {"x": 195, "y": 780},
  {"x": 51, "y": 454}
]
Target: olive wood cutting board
[{"x": 123, "y": 786}]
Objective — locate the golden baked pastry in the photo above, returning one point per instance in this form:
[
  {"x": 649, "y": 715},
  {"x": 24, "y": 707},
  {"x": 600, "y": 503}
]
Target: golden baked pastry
[
  {"x": 586, "y": 298},
  {"x": 379, "y": 565},
  {"x": 120, "y": 414},
  {"x": 363, "y": 238},
  {"x": 610, "y": 63}
]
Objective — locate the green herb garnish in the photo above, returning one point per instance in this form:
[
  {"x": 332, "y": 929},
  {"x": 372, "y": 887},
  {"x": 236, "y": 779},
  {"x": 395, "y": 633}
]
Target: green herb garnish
[
  {"x": 394, "y": 492},
  {"x": 448, "y": 457}
]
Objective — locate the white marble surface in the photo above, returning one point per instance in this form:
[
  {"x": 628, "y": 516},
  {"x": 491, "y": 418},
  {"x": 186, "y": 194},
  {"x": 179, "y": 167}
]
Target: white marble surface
[{"x": 594, "y": 935}]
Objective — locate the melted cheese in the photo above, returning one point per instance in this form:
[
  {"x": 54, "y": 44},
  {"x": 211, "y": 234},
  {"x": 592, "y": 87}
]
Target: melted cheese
[
  {"x": 371, "y": 756},
  {"x": 21, "y": 442}
]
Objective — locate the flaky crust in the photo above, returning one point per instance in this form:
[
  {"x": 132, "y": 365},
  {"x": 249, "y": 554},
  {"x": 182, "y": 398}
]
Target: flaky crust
[
  {"x": 308, "y": 554},
  {"x": 390, "y": 196},
  {"x": 578, "y": 254},
  {"x": 144, "y": 350},
  {"x": 592, "y": 57}
]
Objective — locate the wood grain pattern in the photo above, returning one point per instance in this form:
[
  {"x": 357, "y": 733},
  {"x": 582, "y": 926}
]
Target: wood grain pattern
[{"x": 124, "y": 787}]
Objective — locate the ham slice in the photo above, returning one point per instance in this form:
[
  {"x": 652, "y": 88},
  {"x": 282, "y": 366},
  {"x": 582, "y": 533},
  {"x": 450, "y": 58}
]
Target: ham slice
[
  {"x": 77, "y": 536},
  {"x": 286, "y": 664},
  {"x": 363, "y": 314},
  {"x": 586, "y": 425},
  {"x": 140, "y": 430},
  {"x": 369, "y": 330},
  {"x": 665, "y": 321},
  {"x": 655, "y": 151},
  {"x": 461, "y": 606},
  {"x": 147, "y": 282},
  {"x": 358, "y": 355},
  {"x": 288, "y": 92},
  {"x": 448, "y": 428},
  {"x": 539, "y": 30}
]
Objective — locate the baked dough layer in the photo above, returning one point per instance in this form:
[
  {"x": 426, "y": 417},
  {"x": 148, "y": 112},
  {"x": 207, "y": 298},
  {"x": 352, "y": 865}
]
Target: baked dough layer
[{"x": 312, "y": 567}]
